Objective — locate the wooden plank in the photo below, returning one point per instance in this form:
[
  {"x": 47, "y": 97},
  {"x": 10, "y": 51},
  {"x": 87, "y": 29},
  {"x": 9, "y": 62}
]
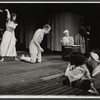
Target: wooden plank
[
  {"x": 51, "y": 87},
  {"x": 46, "y": 89},
  {"x": 29, "y": 87},
  {"x": 37, "y": 83},
  {"x": 57, "y": 90},
  {"x": 20, "y": 88},
  {"x": 79, "y": 92},
  {"x": 93, "y": 94},
  {"x": 67, "y": 92},
  {"x": 58, "y": 80},
  {"x": 53, "y": 76},
  {"x": 85, "y": 92},
  {"x": 36, "y": 90}
]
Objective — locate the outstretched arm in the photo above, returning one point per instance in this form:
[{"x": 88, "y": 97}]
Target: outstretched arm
[{"x": 8, "y": 13}]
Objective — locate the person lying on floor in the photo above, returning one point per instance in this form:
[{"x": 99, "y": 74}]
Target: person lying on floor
[
  {"x": 93, "y": 64},
  {"x": 77, "y": 73}
]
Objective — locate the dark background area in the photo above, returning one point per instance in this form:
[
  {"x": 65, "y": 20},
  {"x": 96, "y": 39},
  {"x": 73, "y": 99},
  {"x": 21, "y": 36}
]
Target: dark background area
[{"x": 41, "y": 11}]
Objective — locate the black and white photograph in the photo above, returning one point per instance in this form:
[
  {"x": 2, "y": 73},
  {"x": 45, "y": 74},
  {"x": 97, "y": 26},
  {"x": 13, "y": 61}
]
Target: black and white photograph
[{"x": 50, "y": 49}]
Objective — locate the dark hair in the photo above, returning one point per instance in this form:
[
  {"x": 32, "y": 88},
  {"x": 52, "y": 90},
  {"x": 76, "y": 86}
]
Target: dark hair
[
  {"x": 88, "y": 28},
  {"x": 13, "y": 15},
  {"x": 82, "y": 32},
  {"x": 47, "y": 26},
  {"x": 77, "y": 59}
]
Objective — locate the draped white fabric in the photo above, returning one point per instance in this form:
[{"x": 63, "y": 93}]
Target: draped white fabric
[{"x": 59, "y": 23}]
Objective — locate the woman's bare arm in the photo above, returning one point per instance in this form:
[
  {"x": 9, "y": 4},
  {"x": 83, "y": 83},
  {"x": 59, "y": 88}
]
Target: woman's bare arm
[{"x": 8, "y": 13}]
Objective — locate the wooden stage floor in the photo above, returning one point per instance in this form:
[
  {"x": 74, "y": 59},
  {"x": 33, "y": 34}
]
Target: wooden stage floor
[
  {"x": 45, "y": 78},
  {"x": 18, "y": 73}
]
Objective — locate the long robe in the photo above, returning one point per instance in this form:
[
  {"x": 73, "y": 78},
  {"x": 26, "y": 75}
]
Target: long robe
[
  {"x": 80, "y": 40},
  {"x": 7, "y": 47}
]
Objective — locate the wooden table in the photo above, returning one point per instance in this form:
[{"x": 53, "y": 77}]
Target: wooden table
[{"x": 69, "y": 49}]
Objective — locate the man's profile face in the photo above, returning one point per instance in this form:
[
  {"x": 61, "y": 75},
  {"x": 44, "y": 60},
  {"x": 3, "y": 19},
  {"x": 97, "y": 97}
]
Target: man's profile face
[{"x": 47, "y": 30}]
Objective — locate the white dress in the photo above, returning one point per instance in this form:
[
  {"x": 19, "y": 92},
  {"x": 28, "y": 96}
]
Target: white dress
[{"x": 7, "y": 47}]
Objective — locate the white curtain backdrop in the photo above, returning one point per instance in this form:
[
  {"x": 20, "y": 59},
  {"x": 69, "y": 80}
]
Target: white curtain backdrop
[{"x": 59, "y": 23}]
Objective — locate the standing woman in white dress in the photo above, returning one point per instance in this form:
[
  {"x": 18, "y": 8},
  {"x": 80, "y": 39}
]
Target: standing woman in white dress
[{"x": 7, "y": 47}]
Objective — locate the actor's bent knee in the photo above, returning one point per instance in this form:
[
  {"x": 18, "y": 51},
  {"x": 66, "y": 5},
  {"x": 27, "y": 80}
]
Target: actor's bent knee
[
  {"x": 33, "y": 61},
  {"x": 39, "y": 61}
]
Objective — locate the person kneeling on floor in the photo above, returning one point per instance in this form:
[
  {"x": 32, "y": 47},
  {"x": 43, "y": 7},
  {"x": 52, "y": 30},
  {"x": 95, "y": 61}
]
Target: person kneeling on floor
[{"x": 35, "y": 49}]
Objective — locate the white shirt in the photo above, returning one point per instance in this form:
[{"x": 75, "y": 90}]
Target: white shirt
[
  {"x": 67, "y": 40},
  {"x": 76, "y": 73}
]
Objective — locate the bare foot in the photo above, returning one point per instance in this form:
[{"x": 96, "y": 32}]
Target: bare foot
[
  {"x": 2, "y": 59},
  {"x": 22, "y": 57},
  {"x": 16, "y": 59}
]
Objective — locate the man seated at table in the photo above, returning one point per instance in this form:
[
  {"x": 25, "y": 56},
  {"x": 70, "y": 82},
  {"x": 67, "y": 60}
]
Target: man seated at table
[{"x": 67, "y": 40}]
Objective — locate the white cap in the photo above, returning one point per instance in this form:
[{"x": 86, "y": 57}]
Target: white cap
[
  {"x": 95, "y": 56},
  {"x": 66, "y": 31}
]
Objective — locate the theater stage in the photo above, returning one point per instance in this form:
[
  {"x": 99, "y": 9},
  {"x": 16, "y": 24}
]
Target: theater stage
[{"x": 19, "y": 73}]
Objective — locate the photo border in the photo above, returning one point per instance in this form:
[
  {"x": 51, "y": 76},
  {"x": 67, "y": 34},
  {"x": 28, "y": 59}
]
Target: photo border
[{"x": 50, "y": 97}]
